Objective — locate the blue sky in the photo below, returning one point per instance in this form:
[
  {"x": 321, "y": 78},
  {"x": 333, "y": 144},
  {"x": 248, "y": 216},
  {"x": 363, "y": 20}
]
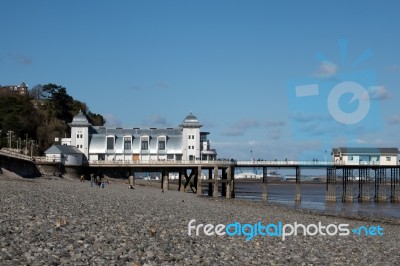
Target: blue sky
[{"x": 234, "y": 64}]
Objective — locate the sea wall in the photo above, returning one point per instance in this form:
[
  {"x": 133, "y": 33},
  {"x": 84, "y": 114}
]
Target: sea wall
[{"x": 20, "y": 167}]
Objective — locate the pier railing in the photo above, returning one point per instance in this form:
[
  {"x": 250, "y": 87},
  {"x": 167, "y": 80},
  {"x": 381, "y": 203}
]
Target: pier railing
[
  {"x": 158, "y": 162},
  {"x": 16, "y": 154},
  {"x": 242, "y": 163},
  {"x": 283, "y": 163}
]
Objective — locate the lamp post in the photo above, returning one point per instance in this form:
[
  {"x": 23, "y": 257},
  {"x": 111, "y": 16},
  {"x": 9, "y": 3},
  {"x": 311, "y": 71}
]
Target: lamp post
[
  {"x": 251, "y": 155},
  {"x": 10, "y": 132},
  {"x": 26, "y": 144},
  {"x": 325, "y": 155},
  {"x": 32, "y": 143}
]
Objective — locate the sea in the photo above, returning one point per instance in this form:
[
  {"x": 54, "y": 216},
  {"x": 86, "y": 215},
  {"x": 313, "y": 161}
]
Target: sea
[{"x": 313, "y": 198}]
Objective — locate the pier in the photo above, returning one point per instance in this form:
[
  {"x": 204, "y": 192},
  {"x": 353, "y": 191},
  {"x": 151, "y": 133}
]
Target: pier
[{"x": 346, "y": 183}]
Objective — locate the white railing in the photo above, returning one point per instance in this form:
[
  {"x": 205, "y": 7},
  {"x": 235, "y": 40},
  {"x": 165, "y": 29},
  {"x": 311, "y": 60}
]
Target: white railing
[
  {"x": 283, "y": 163},
  {"x": 159, "y": 162},
  {"x": 15, "y": 154}
]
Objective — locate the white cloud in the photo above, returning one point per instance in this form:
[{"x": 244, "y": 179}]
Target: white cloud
[
  {"x": 264, "y": 149},
  {"x": 379, "y": 93},
  {"x": 155, "y": 120},
  {"x": 394, "y": 68},
  {"x": 275, "y": 133},
  {"x": 308, "y": 117},
  {"x": 20, "y": 59},
  {"x": 112, "y": 121},
  {"x": 326, "y": 70},
  {"x": 394, "y": 119},
  {"x": 160, "y": 85},
  {"x": 240, "y": 127}
]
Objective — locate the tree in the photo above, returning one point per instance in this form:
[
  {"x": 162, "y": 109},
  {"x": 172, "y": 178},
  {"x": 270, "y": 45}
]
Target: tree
[
  {"x": 36, "y": 93},
  {"x": 96, "y": 119},
  {"x": 60, "y": 102}
]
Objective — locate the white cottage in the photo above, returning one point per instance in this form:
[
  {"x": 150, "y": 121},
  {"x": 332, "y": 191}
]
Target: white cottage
[
  {"x": 365, "y": 156},
  {"x": 67, "y": 155}
]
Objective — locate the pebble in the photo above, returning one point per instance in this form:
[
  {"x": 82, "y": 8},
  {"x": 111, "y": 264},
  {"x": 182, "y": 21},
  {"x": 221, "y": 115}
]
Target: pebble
[{"x": 53, "y": 222}]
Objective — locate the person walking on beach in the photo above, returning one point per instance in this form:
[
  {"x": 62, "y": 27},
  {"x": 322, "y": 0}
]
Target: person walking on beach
[
  {"x": 91, "y": 180},
  {"x": 98, "y": 181}
]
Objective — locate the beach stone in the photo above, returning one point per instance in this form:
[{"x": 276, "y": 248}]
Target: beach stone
[{"x": 116, "y": 226}]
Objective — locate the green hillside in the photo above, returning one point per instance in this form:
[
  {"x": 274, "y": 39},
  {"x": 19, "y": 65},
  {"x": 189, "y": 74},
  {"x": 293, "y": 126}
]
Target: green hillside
[{"x": 40, "y": 116}]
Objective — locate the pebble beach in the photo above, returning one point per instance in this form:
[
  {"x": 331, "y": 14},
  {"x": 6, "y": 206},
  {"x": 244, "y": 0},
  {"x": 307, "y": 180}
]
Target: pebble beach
[{"x": 55, "y": 221}]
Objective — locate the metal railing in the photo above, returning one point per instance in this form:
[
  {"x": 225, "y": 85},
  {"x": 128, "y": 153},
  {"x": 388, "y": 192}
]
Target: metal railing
[
  {"x": 242, "y": 163},
  {"x": 18, "y": 155},
  {"x": 160, "y": 162},
  {"x": 283, "y": 163}
]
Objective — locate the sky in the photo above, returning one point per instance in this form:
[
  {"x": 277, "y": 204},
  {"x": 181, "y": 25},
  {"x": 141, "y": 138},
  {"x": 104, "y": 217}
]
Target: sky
[{"x": 267, "y": 79}]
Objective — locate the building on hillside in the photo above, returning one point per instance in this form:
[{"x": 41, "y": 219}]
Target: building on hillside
[
  {"x": 21, "y": 89},
  {"x": 365, "y": 156},
  {"x": 67, "y": 155},
  {"x": 183, "y": 143}
]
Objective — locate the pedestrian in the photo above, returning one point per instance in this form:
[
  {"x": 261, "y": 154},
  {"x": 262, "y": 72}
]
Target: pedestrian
[
  {"x": 98, "y": 180},
  {"x": 91, "y": 180}
]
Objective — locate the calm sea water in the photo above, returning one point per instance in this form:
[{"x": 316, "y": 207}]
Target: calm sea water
[{"x": 313, "y": 197}]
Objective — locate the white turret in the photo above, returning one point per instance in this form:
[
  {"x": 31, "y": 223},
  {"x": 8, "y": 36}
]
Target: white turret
[
  {"x": 191, "y": 138},
  {"x": 80, "y": 133}
]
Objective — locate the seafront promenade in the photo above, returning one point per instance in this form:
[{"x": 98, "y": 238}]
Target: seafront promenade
[{"x": 52, "y": 221}]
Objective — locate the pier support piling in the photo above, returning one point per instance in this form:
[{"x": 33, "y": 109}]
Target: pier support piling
[
  {"x": 229, "y": 185},
  {"x": 165, "y": 180},
  {"x": 215, "y": 189},
  {"x": 331, "y": 185},
  {"x": 210, "y": 185},
  {"x": 182, "y": 180},
  {"x": 298, "y": 185},
  {"x": 264, "y": 196},
  {"x": 363, "y": 185},
  {"x": 131, "y": 178},
  {"x": 223, "y": 184},
  {"x": 380, "y": 185},
  {"x": 394, "y": 185},
  {"x": 199, "y": 188}
]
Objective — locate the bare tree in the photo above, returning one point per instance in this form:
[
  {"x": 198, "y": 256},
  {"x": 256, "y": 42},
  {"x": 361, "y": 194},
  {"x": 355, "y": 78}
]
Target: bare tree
[{"x": 36, "y": 92}]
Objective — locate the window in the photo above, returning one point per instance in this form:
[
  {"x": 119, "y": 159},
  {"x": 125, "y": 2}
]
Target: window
[
  {"x": 127, "y": 143},
  {"x": 192, "y": 147},
  {"x": 188, "y": 147},
  {"x": 145, "y": 145},
  {"x": 110, "y": 143},
  {"x": 388, "y": 158},
  {"x": 350, "y": 158},
  {"x": 161, "y": 145},
  {"x": 170, "y": 156},
  {"x": 190, "y": 136}
]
